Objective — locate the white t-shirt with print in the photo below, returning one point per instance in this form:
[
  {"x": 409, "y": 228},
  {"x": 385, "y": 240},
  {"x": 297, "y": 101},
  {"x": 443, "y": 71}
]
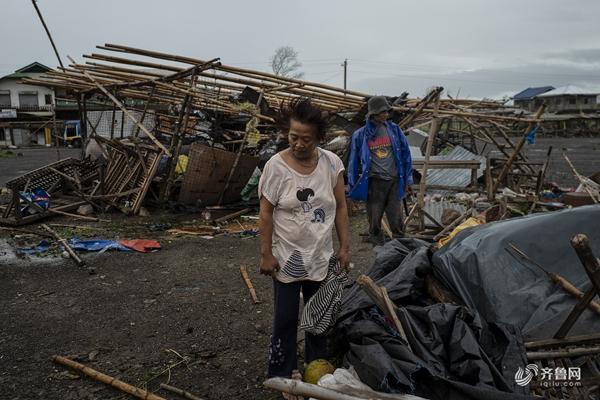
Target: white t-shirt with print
[{"x": 303, "y": 217}]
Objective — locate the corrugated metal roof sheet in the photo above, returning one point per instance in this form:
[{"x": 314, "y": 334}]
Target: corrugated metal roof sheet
[
  {"x": 530, "y": 93},
  {"x": 436, "y": 209},
  {"x": 568, "y": 90},
  {"x": 454, "y": 177}
]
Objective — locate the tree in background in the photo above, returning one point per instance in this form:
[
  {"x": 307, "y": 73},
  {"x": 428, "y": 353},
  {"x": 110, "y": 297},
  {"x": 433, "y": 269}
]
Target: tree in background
[{"x": 285, "y": 63}]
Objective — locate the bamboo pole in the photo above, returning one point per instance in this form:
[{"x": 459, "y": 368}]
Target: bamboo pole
[
  {"x": 472, "y": 114},
  {"x": 125, "y": 111},
  {"x": 107, "y": 379},
  {"x": 567, "y": 353},
  {"x": 240, "y": 71}
]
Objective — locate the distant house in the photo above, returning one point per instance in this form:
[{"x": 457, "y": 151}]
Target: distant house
[
  {"x": 527, "y": 98},
  {"x": 24, "y": 108},
  {"x": 569, "y": 98}
]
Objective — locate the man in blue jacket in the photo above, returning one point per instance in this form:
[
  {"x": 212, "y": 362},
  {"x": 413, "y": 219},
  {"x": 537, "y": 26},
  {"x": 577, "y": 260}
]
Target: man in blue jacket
[{"x": 380, "y": 169}]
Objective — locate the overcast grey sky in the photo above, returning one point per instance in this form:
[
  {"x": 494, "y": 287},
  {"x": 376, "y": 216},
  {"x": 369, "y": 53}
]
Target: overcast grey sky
[{"x": 482, "y": 48}]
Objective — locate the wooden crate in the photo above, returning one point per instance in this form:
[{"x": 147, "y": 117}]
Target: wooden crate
[{"x": 207, "y": 173}]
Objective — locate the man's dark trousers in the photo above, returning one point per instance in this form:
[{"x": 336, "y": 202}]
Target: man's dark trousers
[{"x": 383, "y": 197}]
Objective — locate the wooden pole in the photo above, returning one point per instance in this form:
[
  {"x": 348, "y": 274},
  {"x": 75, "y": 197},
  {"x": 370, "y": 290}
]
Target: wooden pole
[
  {"x": 517, "y": 149},
  {"x": 72, "y": 254},
  {"x": 109, "y": 380},
  {"x": 248, "y": 282},
  {"x": 435, "y": 126},
  {"x": 176, "y": 141},
  {"x": 180, "y": 392},
  {"x": 591, "y": 264}
]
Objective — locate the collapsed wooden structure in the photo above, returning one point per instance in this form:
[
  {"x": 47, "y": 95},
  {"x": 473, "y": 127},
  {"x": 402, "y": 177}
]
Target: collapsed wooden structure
[{"x": 189, "y": 90}]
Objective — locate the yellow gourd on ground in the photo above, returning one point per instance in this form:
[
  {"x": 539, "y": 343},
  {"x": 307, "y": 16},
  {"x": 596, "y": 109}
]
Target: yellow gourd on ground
[{"x": 316, "y": 369}]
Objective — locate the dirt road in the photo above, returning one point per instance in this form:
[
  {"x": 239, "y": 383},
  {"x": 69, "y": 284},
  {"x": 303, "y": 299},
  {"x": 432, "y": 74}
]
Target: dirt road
[
  {"x": 25, "y": 160},
  {"x": 139, "y": 314}
]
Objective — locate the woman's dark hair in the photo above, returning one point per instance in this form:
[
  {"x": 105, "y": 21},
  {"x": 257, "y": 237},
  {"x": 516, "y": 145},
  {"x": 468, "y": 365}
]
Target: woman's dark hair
[{"x": 304, "y": 111}]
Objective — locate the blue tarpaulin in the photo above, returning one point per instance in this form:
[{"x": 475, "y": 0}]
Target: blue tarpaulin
[{"x": 96, "y": 245}]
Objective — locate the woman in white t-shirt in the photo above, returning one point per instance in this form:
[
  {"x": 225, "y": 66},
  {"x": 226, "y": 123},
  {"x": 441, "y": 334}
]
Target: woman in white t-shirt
[{"x": 302, "y": 196}]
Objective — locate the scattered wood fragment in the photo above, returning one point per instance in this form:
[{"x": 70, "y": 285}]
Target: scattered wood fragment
[
  {"x": 453, "y": 225},
  {"x": 386, "y": 227},
  {"x": 180, "y": 392},
  {"x": 72, "y": 254},
  {"x": 391, "y": 311},
  {"x": 561, "y": 281},
  {"x": 74, "y": 226},
  {"x": 381, "y": 299},
  {"x": 567, "y": 353},
  {"x": 109, "y": 380},
  {"x": 232, "y": 215},
  {"x": 81, "y": 217},
  {"x": 248, "y": 282},
  {"x": 26, "y": 231},
  {"x": 586, "y": 183},
  {"x": 591, "y": 264},
  {"x": 571, "y": 340}
]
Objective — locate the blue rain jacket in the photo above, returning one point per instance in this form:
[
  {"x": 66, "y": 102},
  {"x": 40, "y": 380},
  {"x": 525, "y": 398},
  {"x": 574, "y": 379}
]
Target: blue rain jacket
[{"x": 359, "y": 162}]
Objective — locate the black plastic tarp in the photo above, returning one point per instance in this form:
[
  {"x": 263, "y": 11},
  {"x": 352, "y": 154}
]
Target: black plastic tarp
[
  {"x": 455, "y": 354},
  {"x": 477, "y": 267}
]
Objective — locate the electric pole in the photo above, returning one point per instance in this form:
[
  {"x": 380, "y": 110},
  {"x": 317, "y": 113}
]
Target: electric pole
[
  {"x": 47, "y": 31},
  {"x": 345, "y": 65}
]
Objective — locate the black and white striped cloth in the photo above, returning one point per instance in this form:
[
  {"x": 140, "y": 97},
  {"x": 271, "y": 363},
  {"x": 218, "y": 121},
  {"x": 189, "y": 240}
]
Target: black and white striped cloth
[{"x": 320, "y": 312}]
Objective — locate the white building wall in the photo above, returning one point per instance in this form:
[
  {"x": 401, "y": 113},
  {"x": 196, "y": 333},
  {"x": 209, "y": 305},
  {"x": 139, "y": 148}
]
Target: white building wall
[{"x": 15, "y": 88}]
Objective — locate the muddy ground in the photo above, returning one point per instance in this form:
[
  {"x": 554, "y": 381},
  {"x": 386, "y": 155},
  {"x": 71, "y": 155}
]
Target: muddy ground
[
  {"x": 182, "y": 315},
  {"x": 184, "y": 307}
]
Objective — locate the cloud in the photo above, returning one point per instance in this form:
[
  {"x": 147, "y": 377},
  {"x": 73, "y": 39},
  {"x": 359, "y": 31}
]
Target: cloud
[
  {"x": 484, "y": 82},
  {"x": 585, "y": 56}
]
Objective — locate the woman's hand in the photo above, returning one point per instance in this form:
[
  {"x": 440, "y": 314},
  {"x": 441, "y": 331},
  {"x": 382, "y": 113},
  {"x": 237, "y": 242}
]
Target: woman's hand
[
  {"x": 268, "y": 265},
  {"x": 343, "y": 257}
]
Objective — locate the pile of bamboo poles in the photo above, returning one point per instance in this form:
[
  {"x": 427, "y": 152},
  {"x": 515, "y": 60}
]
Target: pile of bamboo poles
[{"x": 151, "y": 79}]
